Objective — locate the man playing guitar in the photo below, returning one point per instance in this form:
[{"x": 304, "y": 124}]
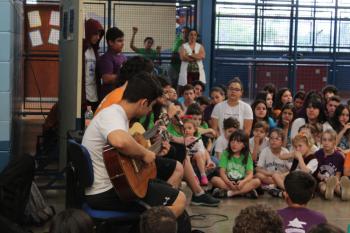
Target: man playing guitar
[{"x": 111, "y": 126}]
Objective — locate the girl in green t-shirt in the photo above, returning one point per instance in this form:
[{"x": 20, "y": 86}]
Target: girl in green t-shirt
[{"x": 236, "y": 169}]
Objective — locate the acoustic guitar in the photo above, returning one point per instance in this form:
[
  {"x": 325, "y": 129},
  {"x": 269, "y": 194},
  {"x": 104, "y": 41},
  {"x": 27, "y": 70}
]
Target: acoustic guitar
[{"x": 130, "y": 176}]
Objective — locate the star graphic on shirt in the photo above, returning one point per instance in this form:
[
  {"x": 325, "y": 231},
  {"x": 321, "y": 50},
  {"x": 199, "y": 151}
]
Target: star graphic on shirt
[{"x": 296, "y": 223}]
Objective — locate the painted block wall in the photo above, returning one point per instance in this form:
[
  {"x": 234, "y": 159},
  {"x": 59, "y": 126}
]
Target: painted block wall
[{"x": 10, "y": 15}]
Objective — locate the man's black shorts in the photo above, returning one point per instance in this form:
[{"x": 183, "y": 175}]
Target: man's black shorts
[
  {"x": 158, "y": 193},
  {"x": 165, "y": 167}
]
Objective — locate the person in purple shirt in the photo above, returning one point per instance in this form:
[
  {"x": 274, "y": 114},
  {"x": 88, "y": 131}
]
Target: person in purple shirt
[
  {"x": 300, "y": 186},
  {"x": 110, "y": 63},
  {"x": 330, "y": 168}
]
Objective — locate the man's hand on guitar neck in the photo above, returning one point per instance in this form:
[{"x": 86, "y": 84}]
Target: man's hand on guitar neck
[{"x": 165, "y": 148}]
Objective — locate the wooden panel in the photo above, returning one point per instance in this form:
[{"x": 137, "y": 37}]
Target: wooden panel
[
  {"x": 45, "y": 79},
  {"x": 41, "y": 62}
]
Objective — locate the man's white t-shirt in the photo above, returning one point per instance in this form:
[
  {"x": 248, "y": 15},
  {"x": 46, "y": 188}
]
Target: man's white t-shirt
[
  {"x": 272, "y": 163},
  {"x": 95, "y": 138},
  {"x": 90, "y": 77},
  {"x": 242, "y": 111}
]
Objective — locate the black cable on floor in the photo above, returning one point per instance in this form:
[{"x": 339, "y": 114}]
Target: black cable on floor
[{"x": 205, "y": 217}]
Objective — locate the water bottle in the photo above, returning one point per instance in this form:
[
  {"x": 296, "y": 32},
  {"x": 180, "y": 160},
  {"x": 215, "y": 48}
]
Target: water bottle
[{"x": 89, "y": 114}]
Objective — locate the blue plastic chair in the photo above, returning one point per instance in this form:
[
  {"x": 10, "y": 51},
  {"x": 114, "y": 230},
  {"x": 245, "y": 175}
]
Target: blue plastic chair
[{"x": 80, "y": 175}]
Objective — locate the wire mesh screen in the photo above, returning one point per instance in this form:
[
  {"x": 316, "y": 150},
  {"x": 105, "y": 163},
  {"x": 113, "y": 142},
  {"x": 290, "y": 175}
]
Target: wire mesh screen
[
  {"x": 276, "y": 34},
  {"x": 234, "y": 31},
  {"x": 152, "y": 20},
  {"x": 343, "y": 40},
  {"x": 305, "y": 33}
]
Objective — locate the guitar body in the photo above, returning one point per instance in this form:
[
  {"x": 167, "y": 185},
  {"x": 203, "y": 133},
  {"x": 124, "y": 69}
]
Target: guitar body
[{"x": 129, "y": 176}]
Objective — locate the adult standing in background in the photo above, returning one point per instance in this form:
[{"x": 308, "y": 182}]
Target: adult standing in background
[
  {"x": 192, "y": 55},
  {"x": 93, "y": 35},
  {"x": 108, "y": 66},
  {"x": 175, "y": 63}
]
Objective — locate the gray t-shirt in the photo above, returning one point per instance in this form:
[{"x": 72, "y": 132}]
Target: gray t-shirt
[{"x": 272, "y": 163}]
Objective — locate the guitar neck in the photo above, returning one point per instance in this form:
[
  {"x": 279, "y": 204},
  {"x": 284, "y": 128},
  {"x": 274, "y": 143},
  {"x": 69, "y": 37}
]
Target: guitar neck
[{"x": 156, "y": 147}]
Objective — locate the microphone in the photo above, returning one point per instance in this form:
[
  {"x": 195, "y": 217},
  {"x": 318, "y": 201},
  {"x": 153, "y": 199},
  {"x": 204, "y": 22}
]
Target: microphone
[{"x": 179, "y": 119}]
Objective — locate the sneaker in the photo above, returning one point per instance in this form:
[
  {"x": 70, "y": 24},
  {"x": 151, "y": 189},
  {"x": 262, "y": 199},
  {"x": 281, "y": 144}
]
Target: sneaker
[
  {"x": 345, "y": 188},
  {"x": 205, "y": 200},
  {"x": 217, "y": 192},
  {"x": 253, "y": 194},
  {"x": 260, "y": 191},
  {"x": 204, "y": 180},
  {"x": 275, "y": 192},
  {"x": 330, "y": 186}
]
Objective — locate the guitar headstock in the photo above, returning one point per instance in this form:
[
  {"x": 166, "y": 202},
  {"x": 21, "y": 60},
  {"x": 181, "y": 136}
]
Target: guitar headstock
[{"x": 164, "y": 119}]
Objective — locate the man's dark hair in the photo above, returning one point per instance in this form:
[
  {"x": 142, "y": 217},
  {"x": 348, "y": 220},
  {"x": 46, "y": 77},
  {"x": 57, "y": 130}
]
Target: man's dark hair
[
  {"x": 114, "y": 33},
  {"x": 200, "y": 83},
  {"x": 329, "y": 88},
  {"x": 133, "y": 66},
  {"x": 158, "y": 220},
  {"x": 325, "y": 228},
  {"x": 72, "y": 220},
  {"x": 258, "y": 219},
  {"x": 142, "y": 86},
  {"x": 231, "y": 123},
  {"x": 300, "y": 187}
]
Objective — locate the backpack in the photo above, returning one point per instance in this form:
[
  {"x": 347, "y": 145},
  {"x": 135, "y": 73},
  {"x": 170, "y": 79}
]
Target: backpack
[
  {"x": 37, "y": 211},
  {"x": 15, "y": 182}
]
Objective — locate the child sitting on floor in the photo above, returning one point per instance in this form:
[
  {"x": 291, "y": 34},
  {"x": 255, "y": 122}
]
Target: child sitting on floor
[
  {"x": 330, "y": 168},
  {"x": 259, "y": 141},
  {"x": 303, "y": 157},
  {"x": 236, "y": 169},
  {"x": 197, "y": 151},
  {"x": 269, "y": 162}
]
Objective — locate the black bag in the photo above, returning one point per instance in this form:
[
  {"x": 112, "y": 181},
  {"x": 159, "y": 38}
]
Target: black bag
[
  {"x": 37, "y": 211},
  {"x": 8, "y": 226},
  {"x": 15, "y": 183}
]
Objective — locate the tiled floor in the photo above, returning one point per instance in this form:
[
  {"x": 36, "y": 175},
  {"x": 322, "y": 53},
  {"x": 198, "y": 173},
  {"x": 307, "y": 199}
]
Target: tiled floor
[{"x": 336, "y": 211}]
